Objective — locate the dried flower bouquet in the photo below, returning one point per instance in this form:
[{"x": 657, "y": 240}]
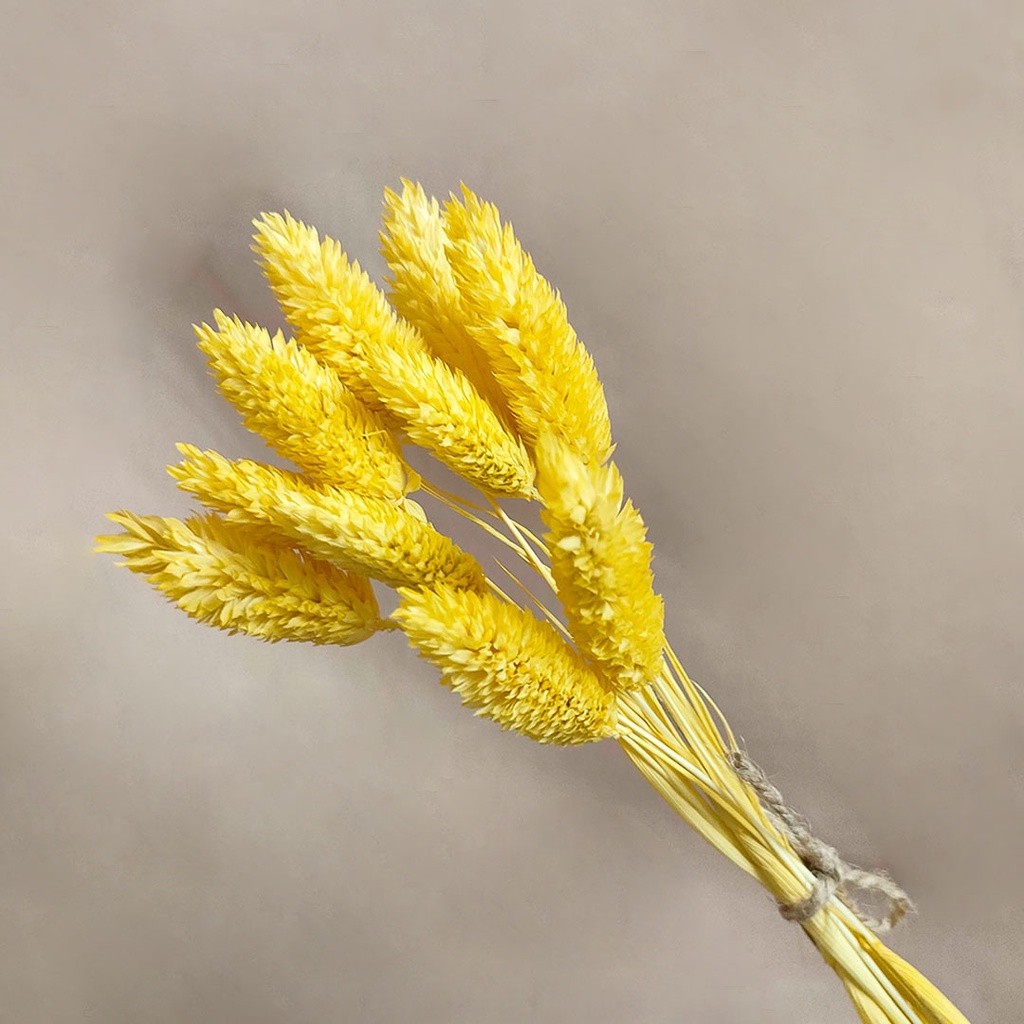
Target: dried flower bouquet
[{"x": 472, "y": 358}]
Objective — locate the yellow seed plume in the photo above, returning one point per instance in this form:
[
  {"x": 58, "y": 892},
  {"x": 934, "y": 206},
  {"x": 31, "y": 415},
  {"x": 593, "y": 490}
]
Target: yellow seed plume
[
  {"x": 389, "y": 541},
  {"x": 330, "y": 303},
  {"x": 242, "y": 579},
  {"x": 519, "y": 321},
  {"x": 601, "y": 563},
  {"x": 508, "y": 665},
  {"x": 302, "y": 409},
  {"x": 347, "y": 323},
  {"x": 423, "y": 289}
]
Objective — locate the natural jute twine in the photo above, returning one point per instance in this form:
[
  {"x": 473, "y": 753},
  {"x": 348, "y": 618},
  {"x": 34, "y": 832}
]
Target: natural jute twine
[{"x": 833, "y": 876}]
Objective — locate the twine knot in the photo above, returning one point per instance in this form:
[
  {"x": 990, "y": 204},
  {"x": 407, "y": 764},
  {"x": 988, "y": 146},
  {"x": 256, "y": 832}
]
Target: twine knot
[{"x": 833, "y": 876}]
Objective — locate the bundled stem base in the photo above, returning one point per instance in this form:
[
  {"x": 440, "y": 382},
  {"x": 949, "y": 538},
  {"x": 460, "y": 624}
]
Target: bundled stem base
[{"x": 671, "y": 732}]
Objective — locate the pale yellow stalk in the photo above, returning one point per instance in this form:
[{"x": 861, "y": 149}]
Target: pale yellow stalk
[{"x": 667, "y": 729}]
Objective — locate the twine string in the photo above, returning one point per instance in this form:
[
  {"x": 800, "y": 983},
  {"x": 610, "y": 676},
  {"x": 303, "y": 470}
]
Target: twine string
[{"x": 833, "y": 876}]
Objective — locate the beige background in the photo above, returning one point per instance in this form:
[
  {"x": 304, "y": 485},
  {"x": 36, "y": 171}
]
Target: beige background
[{"x": 793, "y": 237}]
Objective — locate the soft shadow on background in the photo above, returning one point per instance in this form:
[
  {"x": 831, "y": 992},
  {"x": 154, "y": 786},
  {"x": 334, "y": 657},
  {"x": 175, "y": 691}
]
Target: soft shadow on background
[{"x": 793, "y": 239}]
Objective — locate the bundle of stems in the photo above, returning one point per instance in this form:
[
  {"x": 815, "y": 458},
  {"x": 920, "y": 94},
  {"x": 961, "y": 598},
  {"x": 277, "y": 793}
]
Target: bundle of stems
[
  {"x": 474, "y": 360},
  {"x": 682, "y": 744}
]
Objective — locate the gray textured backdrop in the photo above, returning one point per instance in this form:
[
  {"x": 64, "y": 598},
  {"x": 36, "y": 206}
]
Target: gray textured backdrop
[{"x": 792, "y": 235}]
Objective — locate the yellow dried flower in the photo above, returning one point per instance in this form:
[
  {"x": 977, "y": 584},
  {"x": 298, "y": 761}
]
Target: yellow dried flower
[
  {"x": 508, "y": 665},
  {"x": 302, "y": 409},
  {"x": 347, "y": 323},
  {"x": 441, "y": 411},
  {"x": 520, "y": 322},
  {"x": 242, "y": 579},
  {"x": 423, "y": 289},
  {"x": 601, "y": 564},
  {"x": 390, "y": 541},
  {"x": 288, "y": 557},
  {"x": 332, "y": 306}
]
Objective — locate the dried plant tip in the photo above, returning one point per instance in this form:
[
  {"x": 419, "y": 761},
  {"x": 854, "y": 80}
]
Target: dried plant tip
[
  {"x": 508, "y": 665},
  {"x": 601, "y": 563},
  {"x": 347, "y": 323},
  {"x": 519, "y": 321},
  {"x": 242, "y": 579},
  {"x": 361, "y": 533},
  {"x": 302, "y": 409},
  {"x": 329, "y": 302},
  {"x": 423, "y": 288}
]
